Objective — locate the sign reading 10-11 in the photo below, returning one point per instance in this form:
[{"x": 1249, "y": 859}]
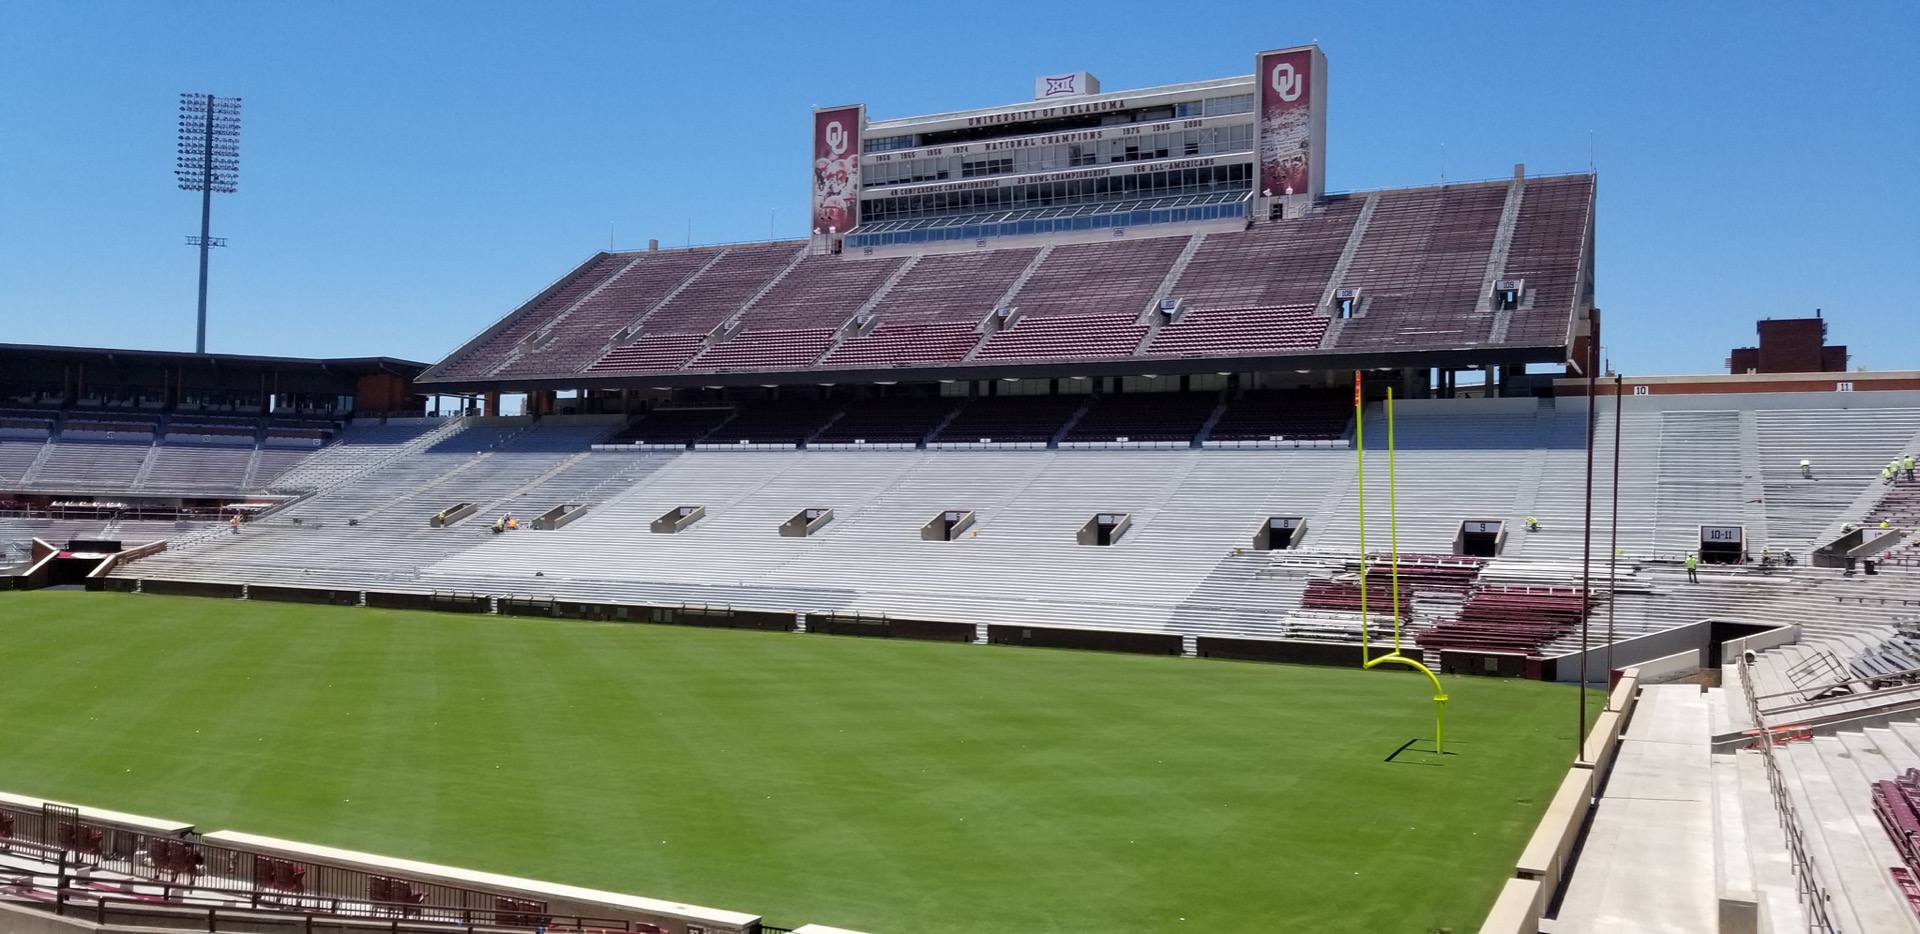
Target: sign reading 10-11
[{"x": 1722, "y": 534}]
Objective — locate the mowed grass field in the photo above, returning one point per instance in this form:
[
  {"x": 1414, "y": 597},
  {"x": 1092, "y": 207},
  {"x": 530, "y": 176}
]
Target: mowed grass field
[{"x": 884, "y": 786}]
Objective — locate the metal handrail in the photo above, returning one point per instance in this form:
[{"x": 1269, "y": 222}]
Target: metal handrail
[
  {"x": 33, "y": 888},
  {"x": 1811, "y": 893}
]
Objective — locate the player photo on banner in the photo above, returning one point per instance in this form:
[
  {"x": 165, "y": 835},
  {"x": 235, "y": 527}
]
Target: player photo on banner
[
  {"x": 836, "y": 167},
  {"x": 1289, "y": 123}
]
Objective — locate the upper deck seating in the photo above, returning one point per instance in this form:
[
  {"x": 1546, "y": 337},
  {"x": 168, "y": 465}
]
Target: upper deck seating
[
  {"x": 771, "y": 349},
  {"x": 1105, "y": 278},
  {"x": 652, "y": 353},
  {"x": 955, "y": 287},
  {"x": 1012, "y": 419},
  {"x": 930, "y": 315},
  {"x": 1212, "y": 332},
  {"x": 1421, "y": 265},
  {"x": 487, "y": 353},
  {"x": 682, "y": 322},
  {"x": 1283, "y": 263},
  {"x": 793, "y": 324},
  {"x": 718, "y": 293},
  {"x": 582, "y": 331},
  {"x": 1144, "y": 417},
  {"x": 1549, "y": 238},
  {"x": 1065, "y": 337},
  {"x": 904, "y": 420},
  {"x": 907, "y": 344}
]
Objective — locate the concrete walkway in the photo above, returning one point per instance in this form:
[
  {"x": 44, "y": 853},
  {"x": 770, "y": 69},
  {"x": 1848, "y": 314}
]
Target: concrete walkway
[{"x": 1647, "y": 865}]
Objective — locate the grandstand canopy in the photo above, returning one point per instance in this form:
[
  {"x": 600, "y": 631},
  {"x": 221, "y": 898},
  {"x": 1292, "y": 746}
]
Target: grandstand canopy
[{"x": 70, "y": 375}]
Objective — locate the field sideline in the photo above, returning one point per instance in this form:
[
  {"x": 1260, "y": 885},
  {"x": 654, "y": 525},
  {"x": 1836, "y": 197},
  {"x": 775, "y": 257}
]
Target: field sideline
[{"x": 886, "y": 786}]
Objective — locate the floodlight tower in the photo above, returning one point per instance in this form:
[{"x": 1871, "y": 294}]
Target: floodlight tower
[{"x": 209, "y": 161}]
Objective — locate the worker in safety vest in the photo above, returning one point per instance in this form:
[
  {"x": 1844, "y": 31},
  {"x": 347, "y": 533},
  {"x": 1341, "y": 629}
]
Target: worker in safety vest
[
  {"x": 1693, "y": 565},
  {"x": 1533, "y": 525},
  {"x": 1908, "y": 463}
]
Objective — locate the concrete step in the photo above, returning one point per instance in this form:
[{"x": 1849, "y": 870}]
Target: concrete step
[{"x": 1772, "y": 870}]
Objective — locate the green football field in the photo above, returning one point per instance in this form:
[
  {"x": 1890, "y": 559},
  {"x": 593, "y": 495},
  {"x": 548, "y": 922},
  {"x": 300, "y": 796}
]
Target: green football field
[{"x": 885, "y": 786}]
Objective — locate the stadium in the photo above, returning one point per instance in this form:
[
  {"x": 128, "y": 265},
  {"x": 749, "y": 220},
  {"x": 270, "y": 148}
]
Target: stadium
[{"x": 1094, "y": 524}]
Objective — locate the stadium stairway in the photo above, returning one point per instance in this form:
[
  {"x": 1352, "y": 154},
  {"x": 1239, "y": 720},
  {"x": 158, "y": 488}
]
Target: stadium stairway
[{"x": 1829, "y": 778}]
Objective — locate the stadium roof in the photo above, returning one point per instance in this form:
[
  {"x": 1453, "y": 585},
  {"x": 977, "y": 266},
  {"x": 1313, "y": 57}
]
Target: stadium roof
[
  {"x": 25, "y": 364},
  {"x": 1426, "y": 264},
  {"x": 11, "y": 354}
]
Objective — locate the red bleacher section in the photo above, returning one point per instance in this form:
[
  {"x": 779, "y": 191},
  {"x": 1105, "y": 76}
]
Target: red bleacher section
[
  {"x": 1418, "y": 574},
  {"x": 1065, "y": 337},
  {"x": 580, "y": 333},
  {"x": 1896, "y": 803},
  {"x": 1421, "y": 267},
  {"x": 1549, "y": 237},
  {"x": 1507, "y": 619},
  {"x": 486, "y": 353},
  {"x": 1275, "y": 265},
  {"x": 1214, "y": 332},
  {"x": 1421, "y": 263}
]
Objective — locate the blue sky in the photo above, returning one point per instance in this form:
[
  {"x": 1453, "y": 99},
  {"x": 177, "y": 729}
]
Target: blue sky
[{"x": 412, "y": 171}]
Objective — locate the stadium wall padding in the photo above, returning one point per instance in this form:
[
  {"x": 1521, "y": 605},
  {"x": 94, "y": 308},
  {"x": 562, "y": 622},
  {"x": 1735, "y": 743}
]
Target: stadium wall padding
[
  {"x": 304, "y": 595},
  {"x": 1143, "y": 643},
  {"x": 1333, "y": 654},
  {"x": 445, "y": 602},
  {"x": 191, "y": 588},
  {"x": 889, "y": 628}
]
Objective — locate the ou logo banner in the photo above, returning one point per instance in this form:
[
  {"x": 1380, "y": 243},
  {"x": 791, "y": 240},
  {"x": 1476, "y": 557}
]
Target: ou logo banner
[
  {"x": 836, "y": 137},
  {"x": 1285, "y": 81}
]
